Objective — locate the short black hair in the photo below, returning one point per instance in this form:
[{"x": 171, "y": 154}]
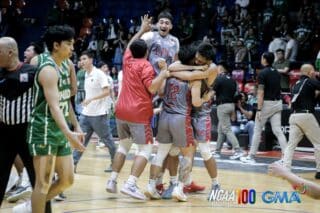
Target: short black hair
[
  {"x": 206, "y": 50},
  {"x": 138, "y": 48},
  {"x": 225, "y": 65},
  {"x": 187, "y": 53},
  {"x": 101, "y": 64},
  {"x": 88, "y": 53},
  {"x": 57, "y": 33},
  {"x": 165, "y": 14},
  {"x": 37, "y": 47},
  {"x": 280, "y": 50},
  {"x": 269, "y": 56}
]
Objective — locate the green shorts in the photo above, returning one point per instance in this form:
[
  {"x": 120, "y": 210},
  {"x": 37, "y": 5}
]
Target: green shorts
[{"x": 49, "y": 149}]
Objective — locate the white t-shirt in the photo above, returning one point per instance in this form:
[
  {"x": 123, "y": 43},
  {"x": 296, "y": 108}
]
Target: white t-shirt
[
  {"x": 293, "y": 45},
  {"x": 93, "y": 86},
  {"x": 109, "y": 98},
  {"x": 120, "y": 77}
]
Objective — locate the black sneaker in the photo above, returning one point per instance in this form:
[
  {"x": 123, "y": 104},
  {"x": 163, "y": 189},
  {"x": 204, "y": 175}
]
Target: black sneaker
[
  {"x": 109, "y": 169},
  {"x": 60, "y": 197},
  {"x": 317, "y": 176}
]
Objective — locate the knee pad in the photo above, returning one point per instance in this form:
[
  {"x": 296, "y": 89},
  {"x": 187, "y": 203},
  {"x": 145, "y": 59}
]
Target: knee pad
[
  {"x": 205, "y": 151},
  {"x": 162, "y": 152},
  {"x": 145, "y": 150},
  {"x": 185, "y": 168},
  {"x": 124, "y": 146},
  {"x": 174, "y": 151}
]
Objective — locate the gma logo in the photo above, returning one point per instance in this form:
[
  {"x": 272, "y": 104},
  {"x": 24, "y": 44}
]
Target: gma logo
[{"x": 280, "y": 197}]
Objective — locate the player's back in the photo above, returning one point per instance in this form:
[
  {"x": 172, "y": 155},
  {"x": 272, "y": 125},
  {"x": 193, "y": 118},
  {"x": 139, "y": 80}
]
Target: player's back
[{"x": 177, "y": 97}]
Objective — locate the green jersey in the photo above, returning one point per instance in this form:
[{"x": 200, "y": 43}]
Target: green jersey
[{"x": 42, "y": 127}]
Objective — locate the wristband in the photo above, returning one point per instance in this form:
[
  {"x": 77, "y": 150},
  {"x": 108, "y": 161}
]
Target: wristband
[
  {"x": 301, "y": 188},
  {"x": 258, "y": 110}
]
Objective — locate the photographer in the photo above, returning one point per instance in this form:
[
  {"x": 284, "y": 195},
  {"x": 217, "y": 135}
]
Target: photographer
[{"x": 244, "y": 115}]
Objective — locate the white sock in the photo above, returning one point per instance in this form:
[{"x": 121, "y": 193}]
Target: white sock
[
  {"x": 214, "y": 181},
  {"x": 132, "y": 180},
  {"x": 189, "y": 180},
  {"x": 25, "y": 178},
  {"x": 173, "y": 179},
  {"x": 152, "y": 183},
  {"x": 159, "y": 179},
  {"x": 180, "y": 186},
  {"x": 114, "y": 176}
]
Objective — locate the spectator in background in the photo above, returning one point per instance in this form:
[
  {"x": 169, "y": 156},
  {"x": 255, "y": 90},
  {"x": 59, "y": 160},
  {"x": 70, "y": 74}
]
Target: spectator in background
[
  {"x": 203, "y": 20},
  {"x": 317, "y": 63},
  {"x": 120, "y": 45},
  {"x": 276, "y": 43},
  {"x": 291, "y": 47},
  {"x": 243, "y": 5},
  {"x": 114, "y": 73},
  {"x": 80, "y": 92},
  {"x": 134, "y": 26},
  {"x": 185, "y": 28},
  {"x": 240, "y": 53},
  {"x": 282, "y": 65},
  {"x": 303, "y": 35}
]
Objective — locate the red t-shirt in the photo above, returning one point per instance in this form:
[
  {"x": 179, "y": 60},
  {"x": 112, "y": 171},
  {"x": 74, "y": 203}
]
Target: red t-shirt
[{"x": 135, "y": 101}]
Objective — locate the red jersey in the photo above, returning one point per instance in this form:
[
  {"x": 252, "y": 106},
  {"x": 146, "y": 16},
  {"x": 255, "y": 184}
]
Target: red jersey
[{"x": 135, "y": 101}]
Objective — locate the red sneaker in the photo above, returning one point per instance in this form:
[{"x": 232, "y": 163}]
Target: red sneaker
[
  {"x": 160, "y": 188},
  {"x": 193, "y": 187}
]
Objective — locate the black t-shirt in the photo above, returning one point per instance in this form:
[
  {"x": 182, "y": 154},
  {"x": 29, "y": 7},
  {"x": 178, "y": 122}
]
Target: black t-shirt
[
  {"x": 306, "y": 99},
  {"x": 225, "y": 88},
  {"x": 270, "y": 79}
]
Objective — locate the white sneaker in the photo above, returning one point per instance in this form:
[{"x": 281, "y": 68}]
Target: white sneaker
[
  {"x": 216, "y": 155},
  {"x": 178, "y": 194},
  {"x": 20, "y": 193},
  {"x": 60, "y": 197},
  {"x": 23, "y": 207},
  {"x": 152, "y": 193},
  {"x": 236, "y": 155},
  {"x": 133, "y": 191},
  {"x": 100, "y": 145},
  {"x": 111, "y": 186},
  {"x": 248, "y": 159},
  {"x": 279, "y": 161}
]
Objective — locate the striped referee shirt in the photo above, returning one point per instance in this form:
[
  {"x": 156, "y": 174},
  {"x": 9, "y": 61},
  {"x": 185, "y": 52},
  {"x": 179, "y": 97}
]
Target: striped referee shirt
[{"x": 16, "y": 94}]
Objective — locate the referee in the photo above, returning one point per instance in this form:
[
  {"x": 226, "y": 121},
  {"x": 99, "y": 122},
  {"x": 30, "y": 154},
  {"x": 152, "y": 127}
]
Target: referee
[
  {"x": 16, "y": 82},
  {"x": 302, "y": 120}
]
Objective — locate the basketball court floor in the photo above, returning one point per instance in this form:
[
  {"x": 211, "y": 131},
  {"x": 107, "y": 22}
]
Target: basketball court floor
[{"x": 88, "y": 193}]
